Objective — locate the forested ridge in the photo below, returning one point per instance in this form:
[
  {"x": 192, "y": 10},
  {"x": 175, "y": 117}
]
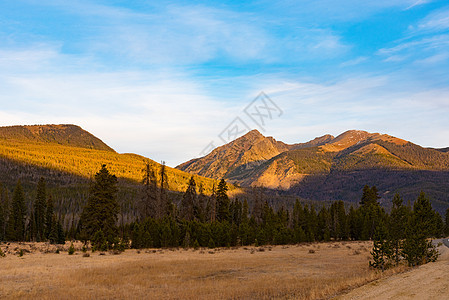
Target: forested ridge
[{"x": 215, "y": 220}]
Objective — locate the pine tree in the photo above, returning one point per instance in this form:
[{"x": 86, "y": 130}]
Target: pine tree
[
  {"x": 39, "y": 210},
  {"x": 200, "y": 205},
  {"x": 342, "y": 221},
  {"x": 211, "y": 208},
  {"x": 355, "y": 223},
  {"x": 371, "y": 212},
  {"x": 188, "y": 201},
  {"x": 4, "y": 203},
  {"x": 101, "y": 211},
  {"x": 222, "y": 202},
  {"x": 149, "y": 193},
  {"x": 258, "y": 195},
  {"x": 49, "y": 217},
  {"x": 417, "y": 249},
  {"x": 397, "y": 226},
  {"x": 370, "y": 195},
  {"x": 16, "y": 226},
  {"x": 60, "y": 233},
  {"x": 425, "y": 216},
  {"x": 311, "y": 227},
  {"x": 31, "y": 231},
  {"x": 53, "y": 235},
  {"x": 245, "y": 212},
  {"x": 324, "y": 225},
  {"x": 165, "y": 205},
  {"x": 236, "y": 211},
  {"x": 382, "y": 249}
]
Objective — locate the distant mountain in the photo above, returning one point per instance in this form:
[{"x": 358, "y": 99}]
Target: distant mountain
[
  {"x": 329, "y": 168},
  {"x": 244, "y": 153},
  {"x": 68, "y": 135}
]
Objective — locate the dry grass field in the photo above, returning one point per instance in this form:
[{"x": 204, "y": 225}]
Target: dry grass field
[
  {"x": 307, "y": 271},
  {"x": 425, "y": 282}
]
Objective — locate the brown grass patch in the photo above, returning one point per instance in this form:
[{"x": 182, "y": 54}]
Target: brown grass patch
[{"x": 282, "y": 272}]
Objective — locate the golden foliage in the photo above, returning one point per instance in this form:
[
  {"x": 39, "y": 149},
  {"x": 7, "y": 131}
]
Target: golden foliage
[{"x": 86, "y": 162}]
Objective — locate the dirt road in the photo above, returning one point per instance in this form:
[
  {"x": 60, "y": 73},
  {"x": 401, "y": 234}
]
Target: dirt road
[{"x": 425, "y": 282}]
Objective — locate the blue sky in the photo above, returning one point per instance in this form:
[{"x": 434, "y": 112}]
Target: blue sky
[{"x": 165, "y": 79}]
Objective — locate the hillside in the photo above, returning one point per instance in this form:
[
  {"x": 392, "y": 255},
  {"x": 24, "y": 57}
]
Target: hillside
[
  {"x": 68, "y": 152},
  {"x": 68, "y": 135},
  {"x": 336, "y": 168},
  {"x": 68, "y": 161}
]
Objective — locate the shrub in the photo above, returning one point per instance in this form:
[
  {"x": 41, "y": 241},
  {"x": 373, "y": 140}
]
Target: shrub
[{"x": 71, "y": 249}]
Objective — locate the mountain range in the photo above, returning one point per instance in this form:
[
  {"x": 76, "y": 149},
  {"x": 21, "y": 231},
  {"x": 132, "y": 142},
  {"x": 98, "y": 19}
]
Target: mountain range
[
  {"x": 330, "y": 168},
  {"x": 324, "y": 169}
]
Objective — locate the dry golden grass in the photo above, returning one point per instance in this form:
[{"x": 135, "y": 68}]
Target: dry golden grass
[{"x": 286, "y": 272}]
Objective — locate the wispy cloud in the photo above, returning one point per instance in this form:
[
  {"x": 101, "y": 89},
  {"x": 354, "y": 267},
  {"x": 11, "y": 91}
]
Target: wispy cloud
[
  {"x": 354, "y": 62},
  {"x": 418, "y": 3},
  {"x": 436, "y": 21}
]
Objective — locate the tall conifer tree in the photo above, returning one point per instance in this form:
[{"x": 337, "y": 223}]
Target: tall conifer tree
[
  {"x": 417, "y": 249},
  {"x": 101, "y": 212},
  {"x": 149, "y": 205},
  {"x": 49, "y": 216},
  {"x": 40, "y": 206},
  {"x": 165, "y": 206},
  {"x": 222, "y": 201},
  {"x": 398, "y": 225},
  {"x": 16, "y": 226},
  {"x": 188, "y": 201}
]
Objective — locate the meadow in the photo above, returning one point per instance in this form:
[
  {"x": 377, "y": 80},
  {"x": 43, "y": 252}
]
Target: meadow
[{"x": 304, "y": 271}]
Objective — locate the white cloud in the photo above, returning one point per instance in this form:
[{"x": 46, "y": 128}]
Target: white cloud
[
  {"x": 435, "y": 21},
  {"x": 418, "y": 3},
  {"x": 354, "y": 62},
  {"x": 427, "y": 48}
]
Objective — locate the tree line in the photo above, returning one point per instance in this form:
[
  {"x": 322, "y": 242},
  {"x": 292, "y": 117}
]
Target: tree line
[
  {"x": 18, "y": 223},
  {"x": 200, "y": 220}
]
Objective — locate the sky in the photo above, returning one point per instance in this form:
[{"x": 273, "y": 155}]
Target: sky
[{"x": 170, "y": 80}]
